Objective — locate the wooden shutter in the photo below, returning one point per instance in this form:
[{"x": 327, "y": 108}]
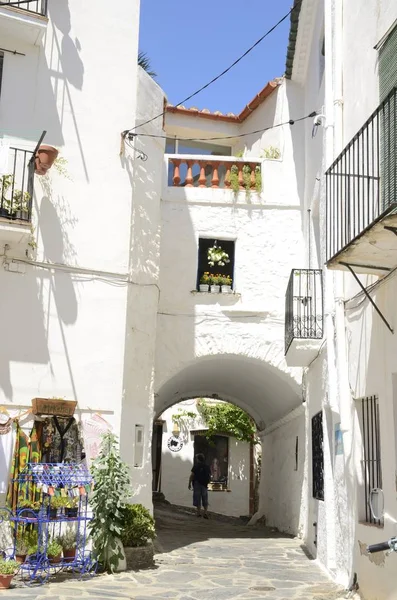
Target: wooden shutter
[{"x": 388, "y": 116}]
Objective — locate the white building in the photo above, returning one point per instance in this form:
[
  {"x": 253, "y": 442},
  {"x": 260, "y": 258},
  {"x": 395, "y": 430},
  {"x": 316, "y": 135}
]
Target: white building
[
  {"x": 106, "y": 310},
  {"x": 179, "y": 435}
]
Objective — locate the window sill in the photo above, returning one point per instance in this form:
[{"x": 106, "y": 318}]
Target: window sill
[{"x": 216, "y": 294}]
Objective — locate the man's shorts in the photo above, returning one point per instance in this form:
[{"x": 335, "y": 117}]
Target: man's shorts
[{"x": 200, "y": 495}]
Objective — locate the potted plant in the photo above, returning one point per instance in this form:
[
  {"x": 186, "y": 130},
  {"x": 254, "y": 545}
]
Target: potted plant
[
  {"x": 68, "y": 543},
  {"x": 226, "y": 284},
  {"x": 215, "y": 284},
  {"x": 20, "y": 205},
  {"x": 8, "y": 568},
  {"x": 5, "y": 183},
  {"x": 30, "y": 507},
  {"x": 26, "y": 541},
  {"x": 205, "y": 282},
  {"x": 217, "y": 256},
  {"x": 52, "y": 505},
  {"x": 71, "y": 507},
  {"x": 54, "y": 552},
  {"x": 137, "y": 535},
  {"x": 44, "y": 159}
]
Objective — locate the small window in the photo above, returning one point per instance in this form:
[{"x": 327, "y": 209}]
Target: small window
[
  {"x": 216, "y": 453},
  {"x": 368, "y": 416},
  {"x": 203, "y": 265},
  {"x": 317, "y": 456}
]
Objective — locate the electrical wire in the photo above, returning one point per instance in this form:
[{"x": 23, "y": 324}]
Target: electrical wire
[
  {"x": 296, "y": 6},
  {"x": 227, "y": 137}
]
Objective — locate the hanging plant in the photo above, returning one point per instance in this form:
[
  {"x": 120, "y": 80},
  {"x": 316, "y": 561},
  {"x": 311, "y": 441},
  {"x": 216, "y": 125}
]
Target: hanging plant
[{"x": 217, "y": 256}]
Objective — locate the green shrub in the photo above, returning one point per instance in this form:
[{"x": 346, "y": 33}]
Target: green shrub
[
  {"x": 8, "y": 567},
  {"x": 138, "y": 527}
]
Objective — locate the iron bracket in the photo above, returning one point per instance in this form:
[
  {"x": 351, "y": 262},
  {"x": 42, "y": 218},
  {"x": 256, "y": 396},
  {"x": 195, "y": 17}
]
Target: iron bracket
[{"x": 368, "y": 296}]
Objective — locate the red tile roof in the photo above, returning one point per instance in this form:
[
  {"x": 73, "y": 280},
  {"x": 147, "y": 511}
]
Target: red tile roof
[{"x": 230, "y": 117}]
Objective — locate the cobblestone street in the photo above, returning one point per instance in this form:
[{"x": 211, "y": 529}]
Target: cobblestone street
[{"x": 205, "y": 560}]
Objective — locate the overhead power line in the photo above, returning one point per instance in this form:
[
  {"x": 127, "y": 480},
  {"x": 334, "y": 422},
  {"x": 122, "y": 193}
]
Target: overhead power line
[
  {"x": 226, "y": 137},
  {"x": 297, "y": 3}
]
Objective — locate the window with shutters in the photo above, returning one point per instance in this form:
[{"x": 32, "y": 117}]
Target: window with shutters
[{"x": 388, "y": 116}]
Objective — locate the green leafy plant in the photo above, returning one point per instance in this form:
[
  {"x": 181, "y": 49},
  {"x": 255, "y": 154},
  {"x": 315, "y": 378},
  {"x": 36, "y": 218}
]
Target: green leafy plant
[
  {"x": 246, "y": 179},
  {"x": 29, "y": 504},
  {"x": 205, "y": 279},
  {"x": 54, "y": 548},
  {"x": 227, "y": 418},
  {"x": 20, "y": 200},
  {"x": 25, "y": 539},
  {"x": 217, "y": 256},
  {"x": 108, "y": 501},
  {"x": 225, "y": 280},
  {"x": 183, "y": 414},
  {"x": 8, "y": 567},
  {"x": 271, "y": 152},
  {"x": 138, "y": 526},
  {"x": 5, "y": 183},
  {"x": 71, "y": 502},
  {"x": 144, "y": 62},
  {"x": 68, "y": 539},
  {"x": 60, "y": 164}
]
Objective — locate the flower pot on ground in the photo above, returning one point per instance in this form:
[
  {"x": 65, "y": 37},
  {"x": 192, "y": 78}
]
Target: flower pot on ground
[
  {"x": 137, "y": 535},
  {"x": 44, "y": 159},
  {"x": 54, "y": 552},
  {"x": 8, "y": 568}
]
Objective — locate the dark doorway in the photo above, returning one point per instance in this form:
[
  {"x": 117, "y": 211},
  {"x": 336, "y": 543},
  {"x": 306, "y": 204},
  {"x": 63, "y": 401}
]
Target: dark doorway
[{"x": 156, "y": 455}]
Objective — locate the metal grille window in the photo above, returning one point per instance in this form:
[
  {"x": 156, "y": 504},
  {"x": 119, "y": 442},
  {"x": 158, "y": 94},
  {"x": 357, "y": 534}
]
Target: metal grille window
[
  {"x": 368, "y": 412},
  {"x": 34, "y": 6},
  {"x": 318, "y": 456},
  {"x": 304, "y": 306}
]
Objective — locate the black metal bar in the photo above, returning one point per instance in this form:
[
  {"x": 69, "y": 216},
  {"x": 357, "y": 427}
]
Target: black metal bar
[
  {"x": 368, "y": 296},
  {"x": 361, "y": 182},
  {"x": 38, "y": 145},
  {"x": 304, "y": 306}
]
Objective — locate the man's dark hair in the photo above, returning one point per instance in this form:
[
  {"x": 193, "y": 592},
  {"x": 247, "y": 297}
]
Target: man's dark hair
[{"x": 200, "y": 458}]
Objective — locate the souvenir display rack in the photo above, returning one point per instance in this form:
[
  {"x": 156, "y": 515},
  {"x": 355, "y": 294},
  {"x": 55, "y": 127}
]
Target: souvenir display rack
[{"x": 50, "y": 519}]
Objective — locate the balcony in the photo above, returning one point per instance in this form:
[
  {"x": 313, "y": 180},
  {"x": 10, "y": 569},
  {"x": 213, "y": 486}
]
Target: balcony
[
  {"x": 26, "y": 21},
  {"x": 214, "y": 177},
  {"x": 303, "y": 317},
  {"x": 16, "y": 195},
  {"x": 361, "y": 197}
]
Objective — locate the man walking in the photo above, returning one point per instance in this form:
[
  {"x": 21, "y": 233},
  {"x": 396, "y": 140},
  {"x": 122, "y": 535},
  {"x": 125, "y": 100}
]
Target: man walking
[{"x": 200, "y": 477}]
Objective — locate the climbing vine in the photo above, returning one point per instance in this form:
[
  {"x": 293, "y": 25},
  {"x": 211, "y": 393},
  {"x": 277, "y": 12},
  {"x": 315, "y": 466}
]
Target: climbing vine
[{"x": 227, "y": 418}]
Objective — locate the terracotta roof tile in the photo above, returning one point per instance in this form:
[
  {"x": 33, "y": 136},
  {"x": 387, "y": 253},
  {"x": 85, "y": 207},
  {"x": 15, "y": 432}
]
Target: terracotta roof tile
[{"x": 229, "y": 117}]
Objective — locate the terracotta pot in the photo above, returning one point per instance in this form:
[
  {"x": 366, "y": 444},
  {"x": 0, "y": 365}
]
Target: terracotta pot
[
  {"x": 69, "y": 554},
  {"x": 5, "y": 581},
  {"x": 20, "y": 558},
  {"x": 44, "y": 159},
  {"x": 54, "y": 560}
]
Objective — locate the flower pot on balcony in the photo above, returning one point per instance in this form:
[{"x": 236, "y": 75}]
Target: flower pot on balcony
[
  {"x": 215, "y": 289},
  {"x": 4, "y": 213},
  {"x": 44, "y": 159},
  {"x": 226, "y": 289},
  {"x": 204, "y": 287},
  {"x": 23, "y": 215}
]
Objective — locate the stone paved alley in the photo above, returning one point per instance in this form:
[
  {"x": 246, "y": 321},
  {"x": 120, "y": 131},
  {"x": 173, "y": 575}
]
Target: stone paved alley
[{"x": 205, "y": 560}]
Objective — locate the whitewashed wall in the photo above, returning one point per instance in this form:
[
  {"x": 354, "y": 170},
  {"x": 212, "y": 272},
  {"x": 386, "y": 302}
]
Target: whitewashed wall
[
  {"x": 63, "y": 331},
  {"x": 176, "y": 468}
]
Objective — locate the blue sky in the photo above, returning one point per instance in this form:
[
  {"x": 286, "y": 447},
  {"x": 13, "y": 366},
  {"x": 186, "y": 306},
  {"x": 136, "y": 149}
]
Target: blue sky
[{"x": 189, "y": 43}]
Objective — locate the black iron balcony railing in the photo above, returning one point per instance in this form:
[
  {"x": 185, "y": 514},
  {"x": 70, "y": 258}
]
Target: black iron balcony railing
[
  {"x": 304, "y": 306},
  {"x": 38, "y": 7},
  {"x": 362, "y": 181},
  {"x": 16, "y": 187}
]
